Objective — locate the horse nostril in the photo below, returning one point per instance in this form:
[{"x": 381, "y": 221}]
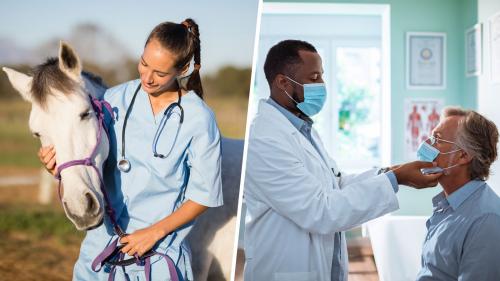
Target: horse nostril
[{"x": 90, "y": 202}]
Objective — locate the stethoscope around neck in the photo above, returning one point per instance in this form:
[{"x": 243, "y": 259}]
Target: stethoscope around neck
[{"x": 124, "y": 163}]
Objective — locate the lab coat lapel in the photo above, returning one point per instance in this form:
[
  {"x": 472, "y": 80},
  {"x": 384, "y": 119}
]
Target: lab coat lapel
[
  {"x": 322, "y": 151},
  {"x": 283, "y": 123},
  {"x": 308, "y": 146},
  {"x": 278, "y": 120}
]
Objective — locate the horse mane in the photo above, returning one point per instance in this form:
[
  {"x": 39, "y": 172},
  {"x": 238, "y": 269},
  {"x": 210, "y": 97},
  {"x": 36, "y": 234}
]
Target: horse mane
[{"x": 48, "y": 75}]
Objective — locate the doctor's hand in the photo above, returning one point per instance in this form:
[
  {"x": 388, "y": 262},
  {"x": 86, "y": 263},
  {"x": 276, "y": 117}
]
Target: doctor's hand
[
  {"x": 410, "y": 174},
  {"x": 47, "y": 155},
  {"x": 141, "y": 241}
]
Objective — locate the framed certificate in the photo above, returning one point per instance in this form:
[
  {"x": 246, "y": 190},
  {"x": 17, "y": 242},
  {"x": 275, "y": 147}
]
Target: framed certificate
[
  {"x": 426, "y": 60},
  {"x": 473, "y": 51}
]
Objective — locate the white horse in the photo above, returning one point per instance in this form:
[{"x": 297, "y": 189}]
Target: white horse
[{"x": 62, "y": 115}]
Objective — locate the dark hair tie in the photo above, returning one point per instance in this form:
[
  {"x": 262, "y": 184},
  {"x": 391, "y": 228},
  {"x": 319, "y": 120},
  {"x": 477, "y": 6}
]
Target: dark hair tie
[{"x": 188, "y": 26}]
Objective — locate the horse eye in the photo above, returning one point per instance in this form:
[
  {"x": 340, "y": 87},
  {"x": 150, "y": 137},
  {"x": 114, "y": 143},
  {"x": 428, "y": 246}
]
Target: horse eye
[
  {"x": 36, "y": 134},
  {"x": 85, "y": 115}
]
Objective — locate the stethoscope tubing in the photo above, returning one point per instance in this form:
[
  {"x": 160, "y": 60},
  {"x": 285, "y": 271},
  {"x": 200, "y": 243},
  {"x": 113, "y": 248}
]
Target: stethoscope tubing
[{"x": 123, "y": 163}]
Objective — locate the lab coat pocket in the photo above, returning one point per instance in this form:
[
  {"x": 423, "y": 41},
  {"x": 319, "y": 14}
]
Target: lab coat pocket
[{"x": 296, "y": 276}]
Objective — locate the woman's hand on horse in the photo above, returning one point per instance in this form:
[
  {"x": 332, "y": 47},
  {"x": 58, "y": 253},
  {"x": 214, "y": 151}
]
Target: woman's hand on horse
[
  {"x": 47, "y": 155},
  {"x": 141, "y": 241}
]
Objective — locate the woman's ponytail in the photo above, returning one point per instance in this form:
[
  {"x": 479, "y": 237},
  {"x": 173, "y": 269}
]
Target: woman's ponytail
[{"x": 194, "y": 82}]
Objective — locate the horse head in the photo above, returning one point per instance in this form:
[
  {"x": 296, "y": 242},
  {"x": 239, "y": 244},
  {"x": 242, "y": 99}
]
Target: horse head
[{"x": 62, "y": 115}]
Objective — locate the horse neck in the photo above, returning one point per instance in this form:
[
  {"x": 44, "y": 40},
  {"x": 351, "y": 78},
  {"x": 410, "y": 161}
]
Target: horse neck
[{"x": 93, "y": 88}]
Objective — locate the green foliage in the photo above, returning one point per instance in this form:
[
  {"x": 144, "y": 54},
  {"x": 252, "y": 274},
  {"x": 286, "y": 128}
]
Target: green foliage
[
  {"x": 229, "y": 81},
  {"x": 354, "y": 107}
]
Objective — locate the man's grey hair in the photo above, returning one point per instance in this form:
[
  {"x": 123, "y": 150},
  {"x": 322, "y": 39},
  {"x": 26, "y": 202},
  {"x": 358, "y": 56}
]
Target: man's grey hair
[{"x": 478, "y": 137}]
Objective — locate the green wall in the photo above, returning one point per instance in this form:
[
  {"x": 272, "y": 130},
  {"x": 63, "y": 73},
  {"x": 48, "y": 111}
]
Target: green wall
[
  {"x": 469, "y": 19},
  {"x": 450, "y": 16}
]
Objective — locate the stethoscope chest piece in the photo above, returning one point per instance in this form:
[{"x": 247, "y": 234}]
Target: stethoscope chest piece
[{"x": 124, "y": 165}]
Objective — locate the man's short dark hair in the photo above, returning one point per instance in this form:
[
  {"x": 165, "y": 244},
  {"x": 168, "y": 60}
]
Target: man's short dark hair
[{"x": 284, "y": 57}]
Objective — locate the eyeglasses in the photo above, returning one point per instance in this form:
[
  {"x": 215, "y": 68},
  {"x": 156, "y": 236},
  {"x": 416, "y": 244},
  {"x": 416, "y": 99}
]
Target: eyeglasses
[{"x": 433, "y": 140}]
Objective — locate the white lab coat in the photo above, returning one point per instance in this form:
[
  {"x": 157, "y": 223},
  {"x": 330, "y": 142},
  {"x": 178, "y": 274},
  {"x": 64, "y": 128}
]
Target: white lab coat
[{"x": 295, "y": 204}]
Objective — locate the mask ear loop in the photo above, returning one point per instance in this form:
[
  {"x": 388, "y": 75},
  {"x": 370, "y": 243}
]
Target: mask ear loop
[
  {"x": 286, "y": 93},
  {"x": 446, "y": 170},
  {"x": 294, "y": 81},
  {"x": 295, "y": 101}
]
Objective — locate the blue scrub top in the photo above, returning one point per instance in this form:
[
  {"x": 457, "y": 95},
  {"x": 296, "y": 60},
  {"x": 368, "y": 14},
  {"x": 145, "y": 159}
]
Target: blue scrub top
[{"x": 154, "y": 187}]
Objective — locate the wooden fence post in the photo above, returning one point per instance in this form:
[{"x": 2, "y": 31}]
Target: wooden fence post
[{"x": 45, "y": 188}]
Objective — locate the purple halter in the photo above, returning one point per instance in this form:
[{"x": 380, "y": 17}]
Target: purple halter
[
  {"x": 113, "y": 250},
  {"x": 98, "y": 106}
]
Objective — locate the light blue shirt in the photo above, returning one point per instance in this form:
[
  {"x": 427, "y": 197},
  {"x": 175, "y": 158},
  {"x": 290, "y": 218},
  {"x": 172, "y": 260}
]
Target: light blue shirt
[
  {"x": 155, "y": 187},
  {"x": 462, "y": 241}
]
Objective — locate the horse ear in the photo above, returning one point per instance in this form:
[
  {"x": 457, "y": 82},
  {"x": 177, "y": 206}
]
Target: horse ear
[
  {"x": 20, "y": 81},
  {"x": 69, "y": 61}
]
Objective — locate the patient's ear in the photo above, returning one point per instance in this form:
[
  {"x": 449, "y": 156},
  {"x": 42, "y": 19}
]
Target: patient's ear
[{"x": 464, "y": 157}]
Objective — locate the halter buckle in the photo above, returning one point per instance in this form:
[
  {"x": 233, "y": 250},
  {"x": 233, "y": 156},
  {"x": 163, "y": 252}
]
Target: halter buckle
[{"x": 88, "y": 162}]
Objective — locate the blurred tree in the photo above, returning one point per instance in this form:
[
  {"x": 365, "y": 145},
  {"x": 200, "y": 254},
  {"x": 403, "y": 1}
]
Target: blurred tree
[
  {"x": 112, "y": 76},
  {"x": 228, "y": 81}
]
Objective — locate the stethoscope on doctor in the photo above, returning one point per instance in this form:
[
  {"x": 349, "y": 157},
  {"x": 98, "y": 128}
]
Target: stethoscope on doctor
[{"x": 124, "y": 163}]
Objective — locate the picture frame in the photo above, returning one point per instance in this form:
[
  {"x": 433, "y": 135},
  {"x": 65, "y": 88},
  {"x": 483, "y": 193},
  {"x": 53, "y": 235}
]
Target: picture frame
[
  {"x": 426, "y": 60},
  {"x": 421, "y": 116},
  {"x": 473, "y": 51}
]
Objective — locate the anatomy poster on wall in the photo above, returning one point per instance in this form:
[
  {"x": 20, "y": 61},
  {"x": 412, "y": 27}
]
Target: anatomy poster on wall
[{"x": 421, "y": 117}]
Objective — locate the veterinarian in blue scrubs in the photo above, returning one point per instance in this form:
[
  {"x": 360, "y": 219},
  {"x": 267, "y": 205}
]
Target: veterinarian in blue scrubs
[{"x": 174, "y": 172}]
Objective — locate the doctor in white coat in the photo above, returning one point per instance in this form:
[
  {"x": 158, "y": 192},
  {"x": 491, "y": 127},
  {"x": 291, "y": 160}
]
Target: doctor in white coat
[{"x": 298, "y": 202}]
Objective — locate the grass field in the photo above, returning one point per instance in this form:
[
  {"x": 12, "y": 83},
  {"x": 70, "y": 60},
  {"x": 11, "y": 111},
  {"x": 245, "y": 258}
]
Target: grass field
[
  {"x": 38, "y": 241},
  {"x": 17, "y": 147},
  {"x": 230, "y": 114}
]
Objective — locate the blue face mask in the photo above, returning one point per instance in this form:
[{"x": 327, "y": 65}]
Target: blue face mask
[
  {"x": 428, "y": 153},
  {"x": 314, "y": 97}
]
